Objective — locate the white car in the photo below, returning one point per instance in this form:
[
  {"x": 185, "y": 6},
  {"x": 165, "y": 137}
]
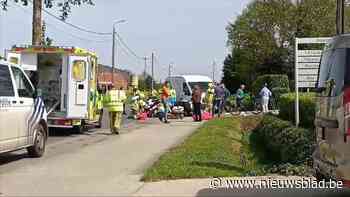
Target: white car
[{"x": 22, "y": 113}]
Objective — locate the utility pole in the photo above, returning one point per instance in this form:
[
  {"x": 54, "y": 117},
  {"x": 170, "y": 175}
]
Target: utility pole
[
  {"x": 114, "y": 46},
  {"x": 113, "y": 53},
  {"x": 213, "y": 72},
  {"x": 170, "y": 69},
  {"x": 145, "y": 69},
  {"x": 152, "y": 71},
  {"x": 37, "y": 22},
  {"x": 340, "y": 22}
]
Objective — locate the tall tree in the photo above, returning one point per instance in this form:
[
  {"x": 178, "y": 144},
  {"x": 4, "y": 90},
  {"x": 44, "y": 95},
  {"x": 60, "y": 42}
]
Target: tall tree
[
  {"x": 261, "y": 38},
  {"x": 65, "y": 6}
]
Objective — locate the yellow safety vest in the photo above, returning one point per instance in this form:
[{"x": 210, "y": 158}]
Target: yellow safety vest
[
  {"x": 210, "y": 95},
  {"x": 115, "y": 100}
]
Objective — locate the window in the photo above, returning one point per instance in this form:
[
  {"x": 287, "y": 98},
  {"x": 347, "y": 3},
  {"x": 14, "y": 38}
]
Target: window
[
  {"x": 79, "y": 70},
  {"x": 24, "y": 88},
  {"x": 202, "y": 85},
  {"x": 332, "y": 72},
  {"x": 324, "y": 68},
  {"x": 6, "y": 87},
  {"x": 92, "y": 69},
  {"x": 186, "y": 90},
  {"x": 337, "y": 72},
  {"x": 14, "y": 60}
]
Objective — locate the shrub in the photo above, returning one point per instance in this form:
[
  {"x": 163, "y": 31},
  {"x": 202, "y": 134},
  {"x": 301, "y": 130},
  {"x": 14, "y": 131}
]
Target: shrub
[
  {"x": 248, "y": 102},
  {"x": 307, "y": 107},
  {"x": 285, "y": 142},
  {"x": 273, "y": 81}
]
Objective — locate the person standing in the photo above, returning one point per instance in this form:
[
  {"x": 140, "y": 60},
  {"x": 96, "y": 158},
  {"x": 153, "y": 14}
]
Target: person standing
[
  {"x": 219, "y": 98},
  {"x": 99, "y": 106},
  {"x": 196, "y": 100},
  {"x": 172, "y": 96},
  {"x": 240, "y": 96},
  {"x": 210, "y": 99},
  {"x": 115, "y": 100},
  {"x": 164, "y": 97},
  {"x": 265, "y": 95}
]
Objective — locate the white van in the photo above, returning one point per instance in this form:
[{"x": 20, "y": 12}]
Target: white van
[
  {"x": 22, "y": 113},
  {"x": 183, "y": 84}
]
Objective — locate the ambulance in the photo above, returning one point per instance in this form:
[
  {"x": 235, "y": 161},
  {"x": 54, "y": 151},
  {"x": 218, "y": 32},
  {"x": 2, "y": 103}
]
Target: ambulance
[{"x": 67, "y": 80}]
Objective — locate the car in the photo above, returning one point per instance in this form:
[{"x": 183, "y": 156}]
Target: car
[
  {"x": 331, "y": 158},
  {"x": 23, "y": 122}
]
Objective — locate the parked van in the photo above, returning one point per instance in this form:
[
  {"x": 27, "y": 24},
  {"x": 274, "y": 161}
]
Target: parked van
[
  {"x": 332, "y": 122},
  {"x": 22, "y": 113},
  {"x": 184, "y": 84},
  {"x": 67, "y": 77}
]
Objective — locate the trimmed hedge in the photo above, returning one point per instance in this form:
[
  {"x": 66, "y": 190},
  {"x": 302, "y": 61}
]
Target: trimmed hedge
[
  {"x": 307, "y": 106},
  {"x": 273, "y": 81},
  {"x": 285, "y": 142}
]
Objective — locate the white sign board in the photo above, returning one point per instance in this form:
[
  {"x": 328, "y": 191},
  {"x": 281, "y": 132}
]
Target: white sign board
[
  {"x": 307, "y": 65},
  {"x": 307, "y": 62},
  {"x": 308, "y": 72},
  {"x": 308, "y": 53}
]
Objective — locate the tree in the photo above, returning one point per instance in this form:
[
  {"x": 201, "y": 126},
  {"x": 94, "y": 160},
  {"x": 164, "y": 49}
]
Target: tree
[
  {"x": 64, "y": 5},
  {"x": 261, "y": 39}
]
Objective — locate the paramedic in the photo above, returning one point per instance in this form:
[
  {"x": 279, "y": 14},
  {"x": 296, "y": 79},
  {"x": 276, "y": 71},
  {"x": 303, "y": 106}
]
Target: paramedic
[{"x": 115, "y": 99}]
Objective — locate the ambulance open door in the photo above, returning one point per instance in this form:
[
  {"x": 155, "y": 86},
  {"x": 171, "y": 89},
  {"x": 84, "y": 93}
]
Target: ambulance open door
[{"x": 78, "y": 87}]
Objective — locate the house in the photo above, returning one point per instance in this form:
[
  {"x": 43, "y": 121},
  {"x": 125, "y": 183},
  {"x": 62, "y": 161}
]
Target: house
[{"x": 121, "y": 78}]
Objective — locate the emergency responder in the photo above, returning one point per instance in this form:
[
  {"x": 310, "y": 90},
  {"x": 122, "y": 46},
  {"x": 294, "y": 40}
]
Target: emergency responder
[
  {"x": 172, "y": 96},
  {"x": 165, "y": 99},
  {"x": 135, "y": 107},
  {"x": 115, "y": 99},
  {"x": 99, "y": 106},
  {"x": 209, "y": 98}
]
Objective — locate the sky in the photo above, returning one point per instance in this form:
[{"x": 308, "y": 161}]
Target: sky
[{"x": 189, "y": 34}]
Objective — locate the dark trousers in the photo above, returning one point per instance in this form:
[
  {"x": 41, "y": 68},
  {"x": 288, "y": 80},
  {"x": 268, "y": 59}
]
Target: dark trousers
[
  {"x": 197, "y": 111},
  {"x": 218, "y": 105}
]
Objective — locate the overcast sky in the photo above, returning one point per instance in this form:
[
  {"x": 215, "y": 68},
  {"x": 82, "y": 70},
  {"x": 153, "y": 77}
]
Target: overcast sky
[{"x": 189, "y": 33}]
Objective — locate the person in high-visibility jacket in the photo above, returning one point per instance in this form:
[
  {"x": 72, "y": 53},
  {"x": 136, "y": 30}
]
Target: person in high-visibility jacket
[
  {"x": 115, "y": 104},
  {"x": 99, "y": 106},
  {"x": 172, "y": 96},
  {"x": 209, "y": 98}
]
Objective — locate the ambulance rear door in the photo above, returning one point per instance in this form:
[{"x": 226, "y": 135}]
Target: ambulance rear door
[{"x": 77, "y": 87}]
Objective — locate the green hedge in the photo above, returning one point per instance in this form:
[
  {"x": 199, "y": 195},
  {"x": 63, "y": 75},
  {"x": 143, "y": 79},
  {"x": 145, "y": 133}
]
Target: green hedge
[
  {"x": 285, "y": 142},
  {"x": 273, "y": 81},
  {"x": 307, "y": 107}
]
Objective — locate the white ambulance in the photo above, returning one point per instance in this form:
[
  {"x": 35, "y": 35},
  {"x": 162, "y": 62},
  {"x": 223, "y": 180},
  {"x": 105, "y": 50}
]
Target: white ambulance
[
  {"x": 67, "y": 78},
  {"x": 22, "y": 113}
]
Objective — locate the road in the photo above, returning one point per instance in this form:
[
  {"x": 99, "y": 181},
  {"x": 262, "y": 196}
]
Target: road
[{"x": 94, "y": 164}]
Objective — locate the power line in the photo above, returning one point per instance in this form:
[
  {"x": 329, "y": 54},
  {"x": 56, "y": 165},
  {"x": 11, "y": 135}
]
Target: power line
[
  {"x": 63, "y": 31},
  {"x": 127, "y": 47}
]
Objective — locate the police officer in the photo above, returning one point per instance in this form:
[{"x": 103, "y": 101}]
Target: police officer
[{"x": 115, "y": 100}]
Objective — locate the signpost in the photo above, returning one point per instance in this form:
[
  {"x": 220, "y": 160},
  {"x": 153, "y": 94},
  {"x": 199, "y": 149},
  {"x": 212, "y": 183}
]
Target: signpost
[{"x": 307, "y": 65}]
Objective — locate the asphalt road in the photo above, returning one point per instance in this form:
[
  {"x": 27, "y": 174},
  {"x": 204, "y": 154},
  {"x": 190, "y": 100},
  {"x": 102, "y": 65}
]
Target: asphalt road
[{"x": 96, "y": 163}]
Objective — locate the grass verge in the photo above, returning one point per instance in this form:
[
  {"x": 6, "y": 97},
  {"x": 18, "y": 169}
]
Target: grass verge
[{"x": 220, "y": 148}]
